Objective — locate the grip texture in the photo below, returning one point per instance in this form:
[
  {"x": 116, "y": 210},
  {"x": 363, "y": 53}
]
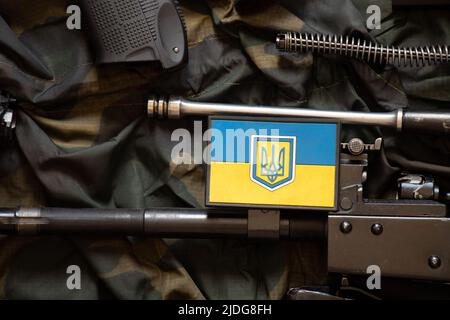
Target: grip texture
[{"x": 136, "y": 31}]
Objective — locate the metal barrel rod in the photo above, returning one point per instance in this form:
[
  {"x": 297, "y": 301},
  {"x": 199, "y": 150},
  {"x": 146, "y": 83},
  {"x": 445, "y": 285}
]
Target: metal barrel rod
[
  {"x": 160, "y": 222},
  {"x": 175, "y": 108}
]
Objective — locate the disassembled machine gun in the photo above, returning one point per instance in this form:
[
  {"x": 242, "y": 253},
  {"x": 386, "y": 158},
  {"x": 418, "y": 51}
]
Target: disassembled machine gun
[{"x": 406, "y": 237}]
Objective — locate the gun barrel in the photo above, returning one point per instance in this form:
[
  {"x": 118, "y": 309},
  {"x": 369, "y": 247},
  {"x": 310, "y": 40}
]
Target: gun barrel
[
  {"x": 175, "y": 108},
  {"x": 160, "y": 222}
]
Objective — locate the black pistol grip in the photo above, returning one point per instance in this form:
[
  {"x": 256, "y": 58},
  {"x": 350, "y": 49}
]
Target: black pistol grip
[{"x": 136, "y": 31}]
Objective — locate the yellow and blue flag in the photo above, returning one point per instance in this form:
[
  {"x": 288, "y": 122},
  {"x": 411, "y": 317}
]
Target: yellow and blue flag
[{"x": 273, "y": 163}]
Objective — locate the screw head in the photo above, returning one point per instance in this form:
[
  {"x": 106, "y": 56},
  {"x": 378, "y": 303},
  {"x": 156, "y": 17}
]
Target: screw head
[
  {"x": 345, "y": 227},
  {"x": 434, "y": 262},
  {"x": 176, "y": 49},
  {"x": 377, "y": 229},
  {"x": 356, "y": 146},
  {"x": 346, "y": 203}
]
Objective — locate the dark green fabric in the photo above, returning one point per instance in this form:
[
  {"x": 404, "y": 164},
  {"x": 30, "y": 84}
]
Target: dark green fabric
[{"x": 83, "y": 139}]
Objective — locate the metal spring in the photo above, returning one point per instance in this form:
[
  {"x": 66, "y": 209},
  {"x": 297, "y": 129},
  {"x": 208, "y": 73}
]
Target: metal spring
[{"x": 362, "y": 49}]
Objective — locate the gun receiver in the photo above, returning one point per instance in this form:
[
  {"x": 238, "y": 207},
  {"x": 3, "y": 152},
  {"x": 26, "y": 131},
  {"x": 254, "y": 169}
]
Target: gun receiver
[{"x": 174, "y": 108}]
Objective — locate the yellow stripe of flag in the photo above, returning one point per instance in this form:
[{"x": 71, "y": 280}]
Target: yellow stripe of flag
[{"x": 313, "y": 186}]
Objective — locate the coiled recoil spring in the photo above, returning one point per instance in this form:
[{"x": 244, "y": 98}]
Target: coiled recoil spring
[{"x": 362, "y": 49}]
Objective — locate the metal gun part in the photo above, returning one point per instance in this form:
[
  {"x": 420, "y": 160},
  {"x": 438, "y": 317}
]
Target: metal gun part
[{"x": 175, "y": 108}]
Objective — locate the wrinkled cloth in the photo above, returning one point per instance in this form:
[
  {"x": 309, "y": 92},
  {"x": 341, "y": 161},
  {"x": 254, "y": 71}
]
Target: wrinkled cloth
[{"x": 83, "y": 139}]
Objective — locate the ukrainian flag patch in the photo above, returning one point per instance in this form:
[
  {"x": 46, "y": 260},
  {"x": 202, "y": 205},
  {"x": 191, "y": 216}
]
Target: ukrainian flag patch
[{"x": 273, "y": 163}]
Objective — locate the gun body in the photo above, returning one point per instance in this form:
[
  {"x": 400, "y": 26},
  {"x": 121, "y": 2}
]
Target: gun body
[{"x": 406, "y": 237}]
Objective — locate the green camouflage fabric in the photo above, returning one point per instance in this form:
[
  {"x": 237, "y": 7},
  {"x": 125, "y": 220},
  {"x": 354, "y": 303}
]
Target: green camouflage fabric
[{"x": 83, "y": 139}]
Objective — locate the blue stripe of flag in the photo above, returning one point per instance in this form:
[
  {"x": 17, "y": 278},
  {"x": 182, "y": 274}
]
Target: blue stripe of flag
[{"x": 316, "y": 142}]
